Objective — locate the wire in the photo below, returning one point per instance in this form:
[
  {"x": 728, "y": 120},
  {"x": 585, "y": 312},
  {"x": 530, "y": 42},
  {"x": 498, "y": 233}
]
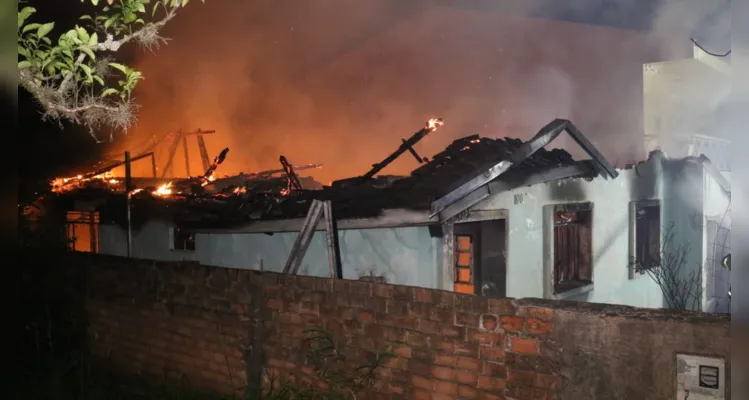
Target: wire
[{"x": 712, "y": 54}]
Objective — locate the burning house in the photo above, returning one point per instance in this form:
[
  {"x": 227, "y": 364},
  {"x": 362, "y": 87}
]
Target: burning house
[{"x": 492, "y": 217}]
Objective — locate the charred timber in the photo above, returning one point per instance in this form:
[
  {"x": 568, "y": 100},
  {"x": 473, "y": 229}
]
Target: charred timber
[{"x": 404, "y": 147}]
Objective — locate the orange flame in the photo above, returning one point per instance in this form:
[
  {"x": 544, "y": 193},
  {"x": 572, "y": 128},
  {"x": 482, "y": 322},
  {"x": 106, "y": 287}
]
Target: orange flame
[
  {"x": 61, "y": 185},
  {"x": 164, "y": 190},
  {"x": 434, "y": 123}
]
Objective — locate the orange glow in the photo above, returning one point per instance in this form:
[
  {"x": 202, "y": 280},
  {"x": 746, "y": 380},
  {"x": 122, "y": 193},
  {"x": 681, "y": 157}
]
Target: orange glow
[{"x": 164, "y": 190}]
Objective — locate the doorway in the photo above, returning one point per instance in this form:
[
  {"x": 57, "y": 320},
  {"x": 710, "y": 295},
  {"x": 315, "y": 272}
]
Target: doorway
[{"x": 480, "y": 258}]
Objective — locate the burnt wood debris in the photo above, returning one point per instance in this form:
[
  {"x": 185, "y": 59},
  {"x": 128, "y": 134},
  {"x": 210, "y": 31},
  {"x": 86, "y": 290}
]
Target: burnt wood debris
[{"x": 467, "y": 170}]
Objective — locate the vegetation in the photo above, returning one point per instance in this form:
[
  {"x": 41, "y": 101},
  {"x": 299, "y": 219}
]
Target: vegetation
[
  {"x": 72, "y": 75},
  {"x": 680, "y": 283},
  {"x": 332, "y": 368}
]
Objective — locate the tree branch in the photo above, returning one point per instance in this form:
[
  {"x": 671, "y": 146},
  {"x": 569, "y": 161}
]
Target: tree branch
[{"x": 113, "y": 45}]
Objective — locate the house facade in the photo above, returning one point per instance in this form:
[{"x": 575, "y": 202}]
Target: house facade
[{"x": 578, "y": 230}]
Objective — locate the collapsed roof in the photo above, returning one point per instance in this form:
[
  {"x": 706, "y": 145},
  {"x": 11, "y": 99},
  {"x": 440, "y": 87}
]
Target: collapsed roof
[{"x": 465, "y": 172}]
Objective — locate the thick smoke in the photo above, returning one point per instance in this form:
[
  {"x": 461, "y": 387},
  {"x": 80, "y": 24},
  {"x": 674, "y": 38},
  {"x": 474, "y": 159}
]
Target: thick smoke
[{"x": 341, "y": 82}]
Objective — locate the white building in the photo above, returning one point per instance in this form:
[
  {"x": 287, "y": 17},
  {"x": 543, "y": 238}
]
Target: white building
[
  {"x": 682, "y": 102},
  {"x": 527, "y": 223}
]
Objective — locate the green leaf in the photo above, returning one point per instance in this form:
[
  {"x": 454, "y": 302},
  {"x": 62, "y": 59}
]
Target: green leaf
[
  {"x": 82, "y": 34},
  {"x": 141, "y": 7},
  {"x": 24, "y": 14},
  {"x": 30, "y": 27},
  {"x": 47, "y": 40},
  {"x": 51, "y": 70},
  {"x": 87, "y": 70},
  {"x": 184, "y": 2},
  {"x": 129, "y": 18},
  {"x": 93, "y": 40},
  {"x": 23, "y": 51},
  {"x": 139, "y": 21},
  {"x": 110, "y": 21},
  {"x": 98, "y": 79},
  {"x": 86, "y": 17},
  {"x": 125, "y": 70},
  {"x": 88, "y": 52},
  {"x": 155, "y": 7},
  {"x": 109, "y": 91},
  {"x": 24, "y": 64},
  {"x": 95, "y": 2},
  {"x": 45, "y": 29}
]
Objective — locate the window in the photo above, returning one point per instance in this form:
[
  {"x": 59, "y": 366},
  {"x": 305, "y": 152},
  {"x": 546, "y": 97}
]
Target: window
[
  {"x": 573, "y": 260},
  {"x": 463, "y": 264},
  {"x": 82, "y": 231},
  {"x": 647, "y": 232},
  {"x": 183, "y": 240}
]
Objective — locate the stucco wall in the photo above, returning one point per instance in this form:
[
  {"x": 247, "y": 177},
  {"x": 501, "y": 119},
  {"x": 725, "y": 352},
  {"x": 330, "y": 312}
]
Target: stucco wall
[
  {"x": 678, "y": 189},
  {"x": 405, "y": 255}
]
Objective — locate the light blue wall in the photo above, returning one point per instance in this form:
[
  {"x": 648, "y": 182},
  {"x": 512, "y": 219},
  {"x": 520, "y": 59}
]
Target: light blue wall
[
  {"x": 404, "y": 255},
  {"x": 611, "y": 224}
]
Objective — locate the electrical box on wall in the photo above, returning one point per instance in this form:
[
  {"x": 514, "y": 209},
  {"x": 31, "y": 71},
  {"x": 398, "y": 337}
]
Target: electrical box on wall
[{"x": 700, "y": 378}]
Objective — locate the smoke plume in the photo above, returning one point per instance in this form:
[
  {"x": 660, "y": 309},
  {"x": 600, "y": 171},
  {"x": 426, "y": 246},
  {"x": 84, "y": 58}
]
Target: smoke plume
[{"x": 341, "y": 82}]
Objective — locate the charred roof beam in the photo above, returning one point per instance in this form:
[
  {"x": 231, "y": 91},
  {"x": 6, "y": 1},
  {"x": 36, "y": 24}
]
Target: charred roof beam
[
  {"x": 579, "y": 169},
  {"x": 546, "y": 135}
]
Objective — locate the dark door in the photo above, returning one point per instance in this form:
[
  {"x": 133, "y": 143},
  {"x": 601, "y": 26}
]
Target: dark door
[{"x": 479, "y": 258}]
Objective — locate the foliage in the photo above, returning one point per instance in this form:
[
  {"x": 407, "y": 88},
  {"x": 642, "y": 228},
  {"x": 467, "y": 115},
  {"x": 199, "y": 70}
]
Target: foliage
[
  {"x": 680, "y": 283},
  {"x": 331, "y": 367},
  {"x": 70, "y": 74}
]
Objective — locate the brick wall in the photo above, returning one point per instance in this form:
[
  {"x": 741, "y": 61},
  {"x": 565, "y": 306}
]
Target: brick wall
[{"x": 205, "y": 325}]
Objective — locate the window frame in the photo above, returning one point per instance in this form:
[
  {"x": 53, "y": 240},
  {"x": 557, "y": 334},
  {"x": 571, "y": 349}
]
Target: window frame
[
  {"x": 188, "y": 237},
  {"x": 634, "y": 208},
  {"x": 585, "y": 285},
  {"x": 88, "y": 220}
]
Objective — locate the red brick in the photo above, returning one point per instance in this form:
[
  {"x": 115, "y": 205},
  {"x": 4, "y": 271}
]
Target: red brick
[
  {"x": 366, "y": 316},
  {"x": 502, "y": 306},
  {"x": 492, "y": 353},
  {"x": 379, "y": 290},
  {"x": 403, "y": 351},
  {"x": 440, "y": 396},
  {"x": 523, "y": 345},
  {"x": 443, "y": 373},
  {"x": 421, "y": 394},
  {"x": 443, "y": 346},
  {"x": 521, "y": 378},
  {"x": 469, "y": 364},
  {"x": 489, "y": 383},
  {"x": 422, "y": 383},
  {"x": 512, "y": 324},
  {"x": 444, "y": 360},
  {"x": 423, "y": 295},
  {"x": 397, "y": 389},
  {"x": 429, "y": 327},
  {"x": 466, "y": 377},
  {"x": 467, "y": 392},
  {"x": 544, "y": 314},
  {"x": 493, "y": 369},
  {"x": 450, "y": 388},
  {"x": 452, "y": 332},
  {"x": 484, "y": 337},
  {"x": 544, "y": 381},
  {"x": 488, "y": 322},
  {"x": 537, "y": 327},
  {"x": 467, "y": 319},
  {"x": 467, "y": 349}
]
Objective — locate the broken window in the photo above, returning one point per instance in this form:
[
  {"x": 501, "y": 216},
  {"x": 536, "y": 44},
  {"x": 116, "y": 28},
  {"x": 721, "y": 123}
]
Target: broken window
[
  {"x": 463, "y": 264},
  {"x": 573, "y": 258},
  {"x": 82, "y": 231},
  {"x": 647, "y": 236},
  {"x": 183, "y": 240}
]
